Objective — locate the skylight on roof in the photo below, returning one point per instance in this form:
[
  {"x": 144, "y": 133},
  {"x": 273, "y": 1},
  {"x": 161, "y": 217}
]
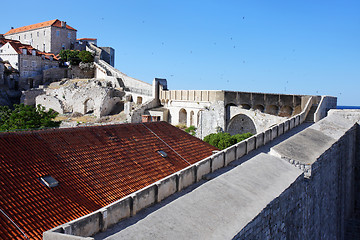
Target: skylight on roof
[
  {"x": 162, "y": 153},
  {"x": 49, "y": 181}
]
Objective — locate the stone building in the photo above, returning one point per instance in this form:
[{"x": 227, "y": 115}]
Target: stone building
[
  {"x": 50, "y": 36},
  {"x": 27, "y": 61}
]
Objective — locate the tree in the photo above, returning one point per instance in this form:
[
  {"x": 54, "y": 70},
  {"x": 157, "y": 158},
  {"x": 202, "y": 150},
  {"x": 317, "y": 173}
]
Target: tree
[
  {"x": 86, "y": 56},
  {"x": 26, "y": 117},
  {"x": 75, "y": 56},
  {"x": 223, "y": 140}
]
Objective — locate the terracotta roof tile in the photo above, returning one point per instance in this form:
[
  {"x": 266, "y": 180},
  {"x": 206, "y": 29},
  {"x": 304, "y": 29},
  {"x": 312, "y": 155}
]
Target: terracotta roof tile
[
  {"x": 94, "y": 166},
  {"x": 54, "y": 23}
]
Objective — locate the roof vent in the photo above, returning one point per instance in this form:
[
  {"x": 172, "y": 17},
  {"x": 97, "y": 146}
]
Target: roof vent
[
  {"x": 49, "y": 181},
  {"x": 162, "y": 153}
]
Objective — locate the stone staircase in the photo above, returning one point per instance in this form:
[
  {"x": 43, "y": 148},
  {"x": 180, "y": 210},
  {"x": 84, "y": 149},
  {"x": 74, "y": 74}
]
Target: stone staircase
[{"x": 310, "y": 116}]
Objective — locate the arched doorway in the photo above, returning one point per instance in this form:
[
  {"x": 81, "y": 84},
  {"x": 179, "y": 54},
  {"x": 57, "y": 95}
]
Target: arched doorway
[
  {"x": 183, "y": 117},
  {"x": 241, "y": 123},
  {"x": 285, "y": 111},
  {"x": 191, "y": 118},
  {"x": 89, "y": 106},
  {"x": 272, "y": 109}
]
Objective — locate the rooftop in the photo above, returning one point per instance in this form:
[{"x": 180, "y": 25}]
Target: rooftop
[
  {"x": 53, "y": 23},
  {"x": 50, "y": 177}
]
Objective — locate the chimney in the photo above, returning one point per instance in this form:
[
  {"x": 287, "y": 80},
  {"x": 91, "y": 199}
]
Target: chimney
[
  {"x": 63, "y": 24},
  {"x": 12, "y": 27}
]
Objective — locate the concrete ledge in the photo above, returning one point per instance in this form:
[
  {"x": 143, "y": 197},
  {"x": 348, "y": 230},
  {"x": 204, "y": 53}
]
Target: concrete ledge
[
  {"x": 202, "y": 168},
  {"x": 187, "y": 177},
  {"x": 117, "y": 211},
  {"x": 217, "y": 161},
  {"x": 167, "y": 187},
  {"x": 267, "y": 136},
  {"x": 85, "y": 226},
  {"x": 286, "y": 126},
  {"x": 240, "y": 149},
  {"x": 144, "y": 198},
  {"x": 280, "y": 129},
  {"x": 251, "y": 144},
  {"x": 48, "y": 235},
  {"x": 291, "y": 123},
  {"x": 230, "y": 154},
  {"x": 259, "y": 140},
  {"x": 274, "y": 132}
]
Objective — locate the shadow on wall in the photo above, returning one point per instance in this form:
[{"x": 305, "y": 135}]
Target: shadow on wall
[{"x": 240, "y": 124}]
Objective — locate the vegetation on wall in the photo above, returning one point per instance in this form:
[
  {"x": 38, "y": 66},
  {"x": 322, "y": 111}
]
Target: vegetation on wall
[
  {"x": 76, "y": 56},
  {"x": 223, "y": 140},
  {"x": 26, "y": 117},
  {"x": 191, "y": 130}
]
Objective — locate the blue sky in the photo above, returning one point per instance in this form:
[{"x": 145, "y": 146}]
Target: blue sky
[{"x": 278, "y": 46}]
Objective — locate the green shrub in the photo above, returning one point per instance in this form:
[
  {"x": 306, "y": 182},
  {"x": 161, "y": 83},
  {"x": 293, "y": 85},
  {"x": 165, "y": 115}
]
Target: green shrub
[
  {"x": 223, "y": 140},
  {"x": 26, "y": 117},
  {"x": 191, "y": 130}
]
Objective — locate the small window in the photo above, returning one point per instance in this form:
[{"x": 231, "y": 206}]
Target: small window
[
  {"x": 37, "y": 33},
  {"x": 162, "y": 153},
  {"x": 57, "y": 33},
  {"x": 30, "y": 35},
  {"x": 24, "y": 36},
  {"x": 24, "y": 63},
  {"x": 69, "y": 35},
  {"x": 24, "y": 51},
  {"x": 44, "y": 32},
  {"x": 63, "y": 46},
  {"x": 33, "y": 52},
  {"x": 49, "y": 181},
  {"x": 19, "y": 37},
  {"x": 33, "y": 64}
]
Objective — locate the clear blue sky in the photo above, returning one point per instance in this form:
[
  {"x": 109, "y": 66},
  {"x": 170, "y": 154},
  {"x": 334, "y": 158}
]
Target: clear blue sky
[{"x": 278, "y": 46}]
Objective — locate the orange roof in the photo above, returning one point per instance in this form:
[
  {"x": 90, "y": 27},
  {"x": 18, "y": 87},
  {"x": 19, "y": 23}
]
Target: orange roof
[
  {"x": 94, "y": 166},
  {"x": 54, "y": 23},
  {"x": 86, "y": 39},
  {"x": 18, "y": 46}
]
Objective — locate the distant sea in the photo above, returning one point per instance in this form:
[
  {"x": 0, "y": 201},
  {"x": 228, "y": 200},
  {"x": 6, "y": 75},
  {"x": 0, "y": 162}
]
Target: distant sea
[{"x": 348, "y": 107}]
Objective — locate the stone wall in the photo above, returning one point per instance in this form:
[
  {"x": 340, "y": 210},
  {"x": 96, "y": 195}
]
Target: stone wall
[{"x": 318, "y": 203}]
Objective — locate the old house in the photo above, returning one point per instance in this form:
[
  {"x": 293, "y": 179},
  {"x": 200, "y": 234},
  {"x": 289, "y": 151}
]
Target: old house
[
  {"x": 50, "y": 36},
  {"x": 27, "y": 61},
  {"x": 50, "y": 177}
]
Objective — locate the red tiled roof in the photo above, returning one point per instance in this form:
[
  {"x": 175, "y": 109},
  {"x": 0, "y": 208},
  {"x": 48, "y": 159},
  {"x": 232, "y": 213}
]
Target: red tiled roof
[
  {"x": 54, "y": 23},
  {"x": 95, "y": 166},
  {"x": 84, "y": 39},
  {"x": 18, "y": 46}
]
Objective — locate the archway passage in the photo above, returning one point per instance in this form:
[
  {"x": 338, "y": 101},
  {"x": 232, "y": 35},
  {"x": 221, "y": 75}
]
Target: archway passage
[
  {"x": 183, "y": 117},
  {"x": 272, "y": 109},
  {"x": 240, "y": 124},
  {"x": 259, "y": 108},
  {"x": 117, "y": 108},
  {"x": 89, "y": 106},
  {"x": 285, "y": 111},
  {"x": 191, "y": 118}
]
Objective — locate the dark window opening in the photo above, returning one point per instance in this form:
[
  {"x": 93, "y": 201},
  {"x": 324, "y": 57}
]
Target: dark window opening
[
  {"x": 49, "y": 181},
  {"x": 162, "y": 153}
]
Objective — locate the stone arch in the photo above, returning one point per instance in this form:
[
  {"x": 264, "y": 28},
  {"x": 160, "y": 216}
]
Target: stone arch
[
  {"x": 245, "y": 106},
  {"x": 285, "y": 111},
  {"x": 89, "y": 106},
  {"x": 241, "y": 123},
  {"x": 199, "y": 115},
  {"x": 162, "y": 101},
  {"x": 272, "y": 109},
  {"x": 259, "y": 107},
  {"x": 183, "y": 116},
  {"x": 191, "y": 118}
]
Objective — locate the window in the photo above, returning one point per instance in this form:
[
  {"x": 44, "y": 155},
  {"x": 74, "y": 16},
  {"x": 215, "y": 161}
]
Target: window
[
  {"x": 24, "y": 63},
  {"x": 37, "y": 47},
  {"x": 44, "y": 32},
  {"x": 33, "y": 52},
  {"x": 49, "y": 181},
  {"x": 162, "y": 153},
  {"x": 30, "y": 35},
  {"x": 19, "y": 37},
  {"x": 24, "y": 51},
  {"x": 63, "y": 46},
  {"x": 24, "y": 36},
  {"x": 69, "y": 35},
  {"x": 33, "y": 64},
  {"x": 44, "y": 47},
  {"x": 57, "y": 33},
  {"x": 37, "y": 33}
]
